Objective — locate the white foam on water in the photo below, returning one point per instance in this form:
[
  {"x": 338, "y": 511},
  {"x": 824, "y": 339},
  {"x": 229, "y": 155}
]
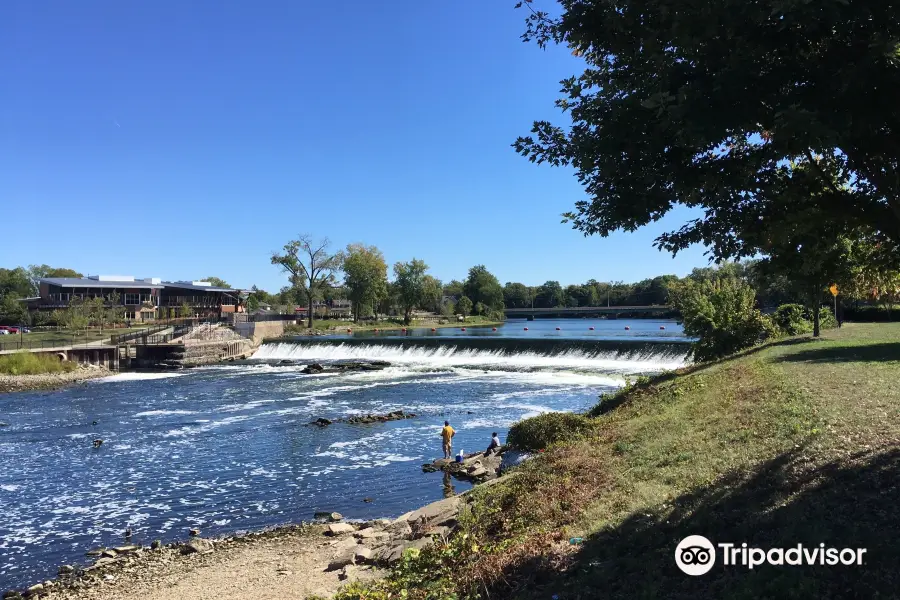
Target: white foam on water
[
  {"x": 9, "y": 487},
  {"x": 136, "y": 377},
  {"x": 454, "y": 356},
  {"x": 162, "y": 413}
]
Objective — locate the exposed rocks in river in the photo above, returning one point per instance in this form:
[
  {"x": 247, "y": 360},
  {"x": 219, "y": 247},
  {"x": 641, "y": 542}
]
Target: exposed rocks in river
[
  {"x": 396, "y": 415},
  {"x": 477, "y": 467},
  {"x": 316, "y": 368}
]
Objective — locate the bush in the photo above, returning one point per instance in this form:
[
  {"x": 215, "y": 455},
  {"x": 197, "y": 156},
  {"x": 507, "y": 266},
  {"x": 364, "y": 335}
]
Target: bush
[
  {"x": 790, "y": 319},
  {"x": 28, "y": 363},
  {"x": 543, "y": 430},
  {"x": 722, "y": 315},
  {"x": 871, "y": 314},
  {"x": 795, "y": 319}
]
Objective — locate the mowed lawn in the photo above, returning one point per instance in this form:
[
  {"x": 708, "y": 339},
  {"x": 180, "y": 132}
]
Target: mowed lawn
[{"x": 795, "y": 442}]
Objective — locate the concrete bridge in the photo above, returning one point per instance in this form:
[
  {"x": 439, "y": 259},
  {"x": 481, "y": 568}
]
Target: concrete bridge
[{"x": 585, "y": 311}]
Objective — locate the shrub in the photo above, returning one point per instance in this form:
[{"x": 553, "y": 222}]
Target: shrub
[
  {"x": 543, "y": 430},
  {"x": 28, "y": 363},
  {"x": 722, "y": 315},
  {"x": 790, "y": 319}
]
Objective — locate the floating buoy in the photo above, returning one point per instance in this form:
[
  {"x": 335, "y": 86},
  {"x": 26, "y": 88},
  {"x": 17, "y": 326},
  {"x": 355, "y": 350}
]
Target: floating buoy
[
  {"x": 376, "y": 330},
  {"x": 403, "y": 330},
  {"x": 433, "y": 329},
  {"x": 494, "y": 329},
  {"x": 462, "y": 329},
  {"x": 590, "y": 328},
  {"x": 627, "y": 328},
  {"x": 662, "y": 326},
  {"x": 557, "y": 328},
  {"x": 349, "y": 331},
  {"x": 526, "y": 329}
]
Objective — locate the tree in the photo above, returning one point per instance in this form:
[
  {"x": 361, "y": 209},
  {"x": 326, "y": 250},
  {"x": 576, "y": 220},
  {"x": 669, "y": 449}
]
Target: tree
[
  {"x": 217, "y": 282},
  {"x": 464, "y": 306},
  {"x": 482, "y": 286},
  {"x": 432, "y": 292},
  {"x": 550, "y": 295},
  {"x": 16, "y": 282},
  {"x": 365, "y": 275},
  {"x": 517, "y": 295},
  {"x": 409, "y": 282},
  {"x": 454, "y": 288},
  {"x": 310, "y": 267},
  {"x": 185, "y": 311},
  {"x": 12, "y": 310},
  {"x": 710, "y": 105},
  {"x": 721, "y": 313}
]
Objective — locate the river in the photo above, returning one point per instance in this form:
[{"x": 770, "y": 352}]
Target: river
[{"x": 227, "y": 448}]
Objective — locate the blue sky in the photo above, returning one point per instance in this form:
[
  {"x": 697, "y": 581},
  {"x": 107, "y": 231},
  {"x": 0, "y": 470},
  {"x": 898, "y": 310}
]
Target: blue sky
[{"x": 189, "y": 139}]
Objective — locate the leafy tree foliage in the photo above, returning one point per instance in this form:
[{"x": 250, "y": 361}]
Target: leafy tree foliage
[
  {"x": 409, "y": 282},
  {"x": 550, "y": 295},
  {"x": 310, "y": 267},
  {"x": 432, "y": 292},
  {"x": 454, "y": 288},
  {"x": 721, "y": 313},
  {"x": 464, "y": 306},
  {"x": 482, "y": 286},
  {"x": 217, "y": 282},
  {"x": 517, "y": 295},
  {"x": 736, "y": 108},
  {"x": 365, "y": 275},
  {"x": 38, "y": 272}
]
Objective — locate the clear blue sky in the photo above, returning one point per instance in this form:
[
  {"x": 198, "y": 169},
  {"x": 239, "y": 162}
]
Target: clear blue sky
[{"x": 190, "y": 139}]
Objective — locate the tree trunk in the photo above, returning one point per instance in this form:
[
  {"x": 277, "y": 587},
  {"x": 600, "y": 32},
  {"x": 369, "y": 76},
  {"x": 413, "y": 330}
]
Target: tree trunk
[
  {"x": 816, "y": 310},
  {"x": 406, "y": 316},
  {"x": 309, "y": 308}
]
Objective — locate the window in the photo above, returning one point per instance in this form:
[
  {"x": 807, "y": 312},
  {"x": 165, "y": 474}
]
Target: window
[{"x": 132, "y": 298}]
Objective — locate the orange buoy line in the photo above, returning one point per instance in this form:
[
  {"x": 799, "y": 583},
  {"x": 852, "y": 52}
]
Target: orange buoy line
[
  {"x": 433, "y": 329},
  {"x": 494, "y": 329},
  {"x": 627, "y": 328},
  {"x": 662, "y": 326},
  {"x": 526, "y": 329},
  {"x": 591, "y": 328},
  {"x": 557, "y": 328}
]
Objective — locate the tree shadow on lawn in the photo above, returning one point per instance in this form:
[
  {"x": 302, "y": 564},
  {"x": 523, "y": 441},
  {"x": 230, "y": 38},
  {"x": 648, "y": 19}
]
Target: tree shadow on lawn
[
  {"x": 785, "y": 502},
  {"x": 884, "y": 352}
]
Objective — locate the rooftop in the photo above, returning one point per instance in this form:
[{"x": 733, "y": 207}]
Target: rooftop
[{"x": 103, "y": 283}]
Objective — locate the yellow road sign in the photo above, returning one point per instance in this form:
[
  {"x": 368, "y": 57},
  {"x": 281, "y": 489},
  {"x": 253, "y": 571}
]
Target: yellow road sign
[{"x": 833, "y": 289}]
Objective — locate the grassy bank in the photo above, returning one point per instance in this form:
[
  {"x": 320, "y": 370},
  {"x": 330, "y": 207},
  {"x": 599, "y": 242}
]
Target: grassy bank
[
  {"x": 794, "y": 442},
  {"x": 391, "y": 325},
  {"x": 26, "y": 363}
]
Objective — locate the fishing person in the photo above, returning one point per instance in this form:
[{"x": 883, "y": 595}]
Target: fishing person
[
  {"x": 494, "y": 445},
  {"x": 447, "y": 434}
]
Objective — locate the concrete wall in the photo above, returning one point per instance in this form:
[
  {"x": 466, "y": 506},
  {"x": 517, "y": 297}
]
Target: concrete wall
[{"x": 257, "y": 332}]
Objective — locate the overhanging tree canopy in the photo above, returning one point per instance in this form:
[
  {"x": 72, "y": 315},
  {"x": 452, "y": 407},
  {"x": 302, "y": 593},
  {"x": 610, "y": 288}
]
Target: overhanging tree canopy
[{"x": 706, "y": 104}]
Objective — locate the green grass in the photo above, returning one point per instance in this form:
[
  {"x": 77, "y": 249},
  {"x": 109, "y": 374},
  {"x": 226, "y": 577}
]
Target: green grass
[
  {"x": 794, "y": 442},
  {"x": 26, "y": 363}
]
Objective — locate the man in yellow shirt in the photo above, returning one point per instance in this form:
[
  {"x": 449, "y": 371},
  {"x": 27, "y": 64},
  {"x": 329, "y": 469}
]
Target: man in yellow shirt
[{"x": 447, "y": 434}]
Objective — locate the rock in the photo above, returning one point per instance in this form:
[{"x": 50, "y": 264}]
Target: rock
[
  {"x": 198, "y": 545},
  {"x": 285, "y": 572},
  {"x": 95, "y": 552},
  {"x": 2, "y": 424},
  {"x": 194, "y": 532},
  {"x": 127, "y": 549},
  {"x": 339, "y": 529},
  {"x": 97, "y": 443},
  {"x": 439, "y": 531},
  {"x": 341, "y": 561},
  {"x": 363, "y": 555},
  {"x": 391, "y": 554},
  {"x": 109, "y": 553},
  {"x": 442, "y": 512},
  {"x": 335, "y": 517},
  {"x": 368, "y": 500},
  {"x": 103, "y": 561},
  {"x": 399, "y": 529},
  {"x": 156, "y": 545},
  {"x": 347, "y": 572},
  {"x": 66, "y": 569},
  {"x": 313, "y": 369},
  {"x": 366, "y": 534},
  {"x": 320, "y": 422},
  {"x": 11, "y": 595},
  {"x": 285, "y": 362}
]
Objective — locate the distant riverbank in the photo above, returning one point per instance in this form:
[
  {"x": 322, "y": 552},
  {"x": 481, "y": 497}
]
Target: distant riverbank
[
  {"x": 331, "y": 326},
  {"x": 50, "y": 381}
]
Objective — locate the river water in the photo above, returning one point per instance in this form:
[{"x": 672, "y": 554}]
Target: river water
[{"x": 228, "y": 449}]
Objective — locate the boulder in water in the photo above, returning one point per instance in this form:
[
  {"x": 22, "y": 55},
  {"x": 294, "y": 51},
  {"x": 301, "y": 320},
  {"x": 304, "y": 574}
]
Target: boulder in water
[
  {"x": 322, "y": 422},
  {"x": 313, "y": 369}
]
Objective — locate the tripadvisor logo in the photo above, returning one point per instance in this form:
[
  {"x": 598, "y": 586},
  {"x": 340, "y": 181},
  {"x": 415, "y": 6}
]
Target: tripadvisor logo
[{"x": 696, "y": 555}]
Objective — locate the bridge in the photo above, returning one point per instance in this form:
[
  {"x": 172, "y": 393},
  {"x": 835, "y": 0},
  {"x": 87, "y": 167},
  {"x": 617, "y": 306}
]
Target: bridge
[{"x": 586, "y": 311}]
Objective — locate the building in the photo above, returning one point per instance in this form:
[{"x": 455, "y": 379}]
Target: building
[{"x": 145, "y": 299}]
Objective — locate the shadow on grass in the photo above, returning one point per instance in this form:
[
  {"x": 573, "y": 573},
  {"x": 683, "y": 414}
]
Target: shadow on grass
[
  {"x": 854, "y": 505},
  {"x": 888, "y": 351}
]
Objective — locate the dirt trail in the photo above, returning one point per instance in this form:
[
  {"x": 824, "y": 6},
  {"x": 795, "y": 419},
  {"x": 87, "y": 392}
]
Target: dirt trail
[{"x": 280, "y": 565}]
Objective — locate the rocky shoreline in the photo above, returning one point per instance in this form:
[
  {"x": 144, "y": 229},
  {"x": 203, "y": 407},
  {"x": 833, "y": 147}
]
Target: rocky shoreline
[
  {"x": 51, "y": 381},
  {"x": 304, "y": 559}
]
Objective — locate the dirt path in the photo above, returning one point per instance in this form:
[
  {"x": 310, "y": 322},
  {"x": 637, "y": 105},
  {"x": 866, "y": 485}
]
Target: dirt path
[{"x": 284, "y": 564}]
